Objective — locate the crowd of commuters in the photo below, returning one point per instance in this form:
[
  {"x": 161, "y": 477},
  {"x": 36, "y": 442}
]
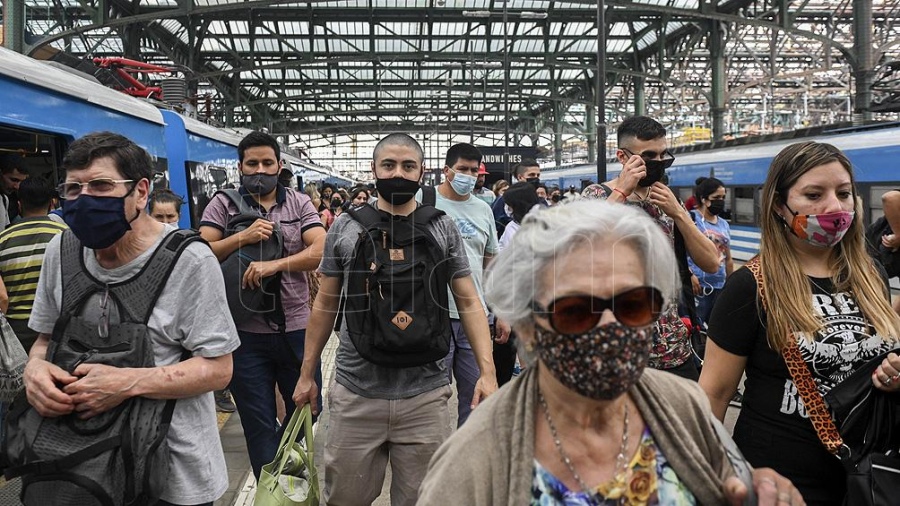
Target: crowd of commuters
[{"x": 596, "y": 303}]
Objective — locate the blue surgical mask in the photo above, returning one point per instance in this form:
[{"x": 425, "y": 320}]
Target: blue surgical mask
[
  {"x": 462, "y": 184},
  {"x": 98, "y": 222}
]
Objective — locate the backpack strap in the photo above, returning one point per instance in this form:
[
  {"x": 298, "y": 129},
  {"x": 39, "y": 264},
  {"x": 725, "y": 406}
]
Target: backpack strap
[
  {"x": 424, "y": 214},
  {"x": 137, "y": 296},
  {"x": 77, "y": 284},
  {"x": 369, "y": 217},
  {"x": 429, "y": 196},
  {"x": 365, "y": 215},
  {"x": 803, "y": 380},
  {"x": 238, "y": 200}
]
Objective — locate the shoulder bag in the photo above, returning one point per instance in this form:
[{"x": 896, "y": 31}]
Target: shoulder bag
[
  {"x": 291, "y": 478},
  {"x": 12, "y": 362},
  {"x": 867, "y": 441}
]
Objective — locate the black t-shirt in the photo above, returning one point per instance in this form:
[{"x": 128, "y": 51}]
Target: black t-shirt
[{"x": 771, "y": 403}]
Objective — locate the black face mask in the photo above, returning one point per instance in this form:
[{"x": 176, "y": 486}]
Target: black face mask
[
  {"x": 555, "y": 197},
  {"x": 259, "y": 184},
  {"x": 535, "y": 181},
  {"x": 396, "y": 190},
  {"x": 655, "y": 171},
  {"x": 716, "y": 207}
]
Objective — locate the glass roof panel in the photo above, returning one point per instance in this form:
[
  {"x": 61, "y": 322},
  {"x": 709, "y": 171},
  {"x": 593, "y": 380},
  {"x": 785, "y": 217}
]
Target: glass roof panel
[
  {"x": 450, "y": 29},
  {"x": 576, "y": 29},
  {"x": 217, "y": 27},
  {"x": 293, "y": 27},
  {"x": 396, "y": 29},
  {"x": 527, "y": 46},
  {"x": 617, "y": 45},
  {"x": 347, "y": 3},
  {"x": 238, "y": 27},
  {"x": 349, "y": 29},
  {"x": 265, "y": 45}
]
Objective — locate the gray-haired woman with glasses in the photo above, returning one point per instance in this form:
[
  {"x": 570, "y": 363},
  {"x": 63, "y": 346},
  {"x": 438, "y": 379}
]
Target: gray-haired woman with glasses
[{"x": 589, "y": 424}]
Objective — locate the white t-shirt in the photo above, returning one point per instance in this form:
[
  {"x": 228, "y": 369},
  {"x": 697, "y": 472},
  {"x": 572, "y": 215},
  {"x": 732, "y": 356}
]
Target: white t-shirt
[{"x": 191, "y": 313}]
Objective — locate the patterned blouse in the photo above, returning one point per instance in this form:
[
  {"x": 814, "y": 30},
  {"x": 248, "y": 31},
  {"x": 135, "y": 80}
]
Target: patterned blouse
[
  {"x": 671, "y": 337},
  {"x": 649, "y": 479}
]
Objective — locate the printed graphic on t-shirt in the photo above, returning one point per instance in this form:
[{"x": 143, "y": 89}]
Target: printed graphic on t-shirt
[
  {"x": 841, "y": 347},
  {"x": 467, "y": 229},
  {"x": 720, "y": 241}
]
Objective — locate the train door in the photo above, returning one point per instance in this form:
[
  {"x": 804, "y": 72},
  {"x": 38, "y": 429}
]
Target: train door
[{"x": 38, "y": 154}]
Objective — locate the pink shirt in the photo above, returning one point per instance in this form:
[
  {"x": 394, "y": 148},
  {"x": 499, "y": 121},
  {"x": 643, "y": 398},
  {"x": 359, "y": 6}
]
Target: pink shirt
[{"x": 294, "y": 213}]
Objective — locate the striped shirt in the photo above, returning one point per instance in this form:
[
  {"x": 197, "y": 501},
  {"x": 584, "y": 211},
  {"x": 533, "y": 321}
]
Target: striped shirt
[{"x": 22, "y": 248}]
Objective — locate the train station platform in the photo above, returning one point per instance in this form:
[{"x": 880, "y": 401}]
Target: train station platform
[{"x": 241, "y": 482}]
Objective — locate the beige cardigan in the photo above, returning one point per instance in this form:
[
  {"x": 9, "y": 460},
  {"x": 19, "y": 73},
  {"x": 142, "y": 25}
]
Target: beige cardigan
[{"x": 490, "y": 460}]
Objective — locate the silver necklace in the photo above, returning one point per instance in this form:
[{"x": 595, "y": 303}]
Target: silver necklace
[
  {"x": 619, "y": 471},
  {"x": 820, "y": 287}
]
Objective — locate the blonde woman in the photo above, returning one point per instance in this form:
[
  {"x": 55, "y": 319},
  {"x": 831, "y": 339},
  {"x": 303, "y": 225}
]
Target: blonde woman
[
  {"x": 500, "y": 187},
  {"x": 313, "y": 193},
  {"x": 824, "y": 294}
]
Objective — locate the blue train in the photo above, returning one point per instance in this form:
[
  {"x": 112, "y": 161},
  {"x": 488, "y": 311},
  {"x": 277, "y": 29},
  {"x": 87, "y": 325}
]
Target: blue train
[
  {"x": 742, "y": 165},
  {"x": 44, "y": 108}
]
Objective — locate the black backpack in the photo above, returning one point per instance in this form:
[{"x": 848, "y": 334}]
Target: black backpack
[
  {"x": 119, "y": 457},
  {"x": 889, "y": 259},
  {"x": 245, "y": 302},
  {"x": 396, "y": 301}
]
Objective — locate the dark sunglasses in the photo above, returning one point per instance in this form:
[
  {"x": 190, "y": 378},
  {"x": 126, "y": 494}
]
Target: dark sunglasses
[
  {"x": 666, "y": 162},
  {"x": 577, "y": 314}
]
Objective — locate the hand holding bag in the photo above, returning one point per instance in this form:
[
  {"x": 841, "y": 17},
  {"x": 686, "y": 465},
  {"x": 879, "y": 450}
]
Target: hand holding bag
[
  {"x": 291, "y": 478},
  {"x": 867, "y": 442},
  {"x": 12, "y": 362}
]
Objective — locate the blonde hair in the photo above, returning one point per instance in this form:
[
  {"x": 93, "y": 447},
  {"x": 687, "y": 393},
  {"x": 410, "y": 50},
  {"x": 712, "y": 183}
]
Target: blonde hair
[
  {"x": 313, "y": 193},
  {"x": 787, "y": 288}
]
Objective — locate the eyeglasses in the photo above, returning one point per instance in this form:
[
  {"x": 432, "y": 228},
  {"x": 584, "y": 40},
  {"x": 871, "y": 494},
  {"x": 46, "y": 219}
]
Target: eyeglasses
[
  {"x": 103, "y": 323},
  {"x": 577, "y": 314},
  {"x": 667, "y": 158},
  {"x": 72, "y": 189}
]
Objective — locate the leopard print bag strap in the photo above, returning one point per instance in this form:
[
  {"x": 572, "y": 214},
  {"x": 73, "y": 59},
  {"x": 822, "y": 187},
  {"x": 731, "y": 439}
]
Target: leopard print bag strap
[{"x": 806, "y": 386}]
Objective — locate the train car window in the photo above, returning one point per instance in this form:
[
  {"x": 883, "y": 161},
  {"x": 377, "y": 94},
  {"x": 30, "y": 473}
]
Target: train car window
[
  {"x": 36, "y": 153},
  {"x": 206, "y": 180},
  {"x": 160, "y": 174},
  {"x": 744, "y": 202},
  {"x": 875, "y": 208}
]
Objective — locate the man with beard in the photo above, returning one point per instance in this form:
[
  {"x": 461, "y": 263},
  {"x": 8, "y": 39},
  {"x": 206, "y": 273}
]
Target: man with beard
[
  {"x": 271, "y": 351},
  {"x": 378, "y": 413},
  {"x": 480, "y": 190},
  {"x": 644, "y": 155},
  {"x": 11, "y": 175}
]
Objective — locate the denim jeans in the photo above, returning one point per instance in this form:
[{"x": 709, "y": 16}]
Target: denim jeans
[
  {"x": 461, "y": 364},
  {"x": 260, "y": 362},
  {"x": 705, "y": 304}
]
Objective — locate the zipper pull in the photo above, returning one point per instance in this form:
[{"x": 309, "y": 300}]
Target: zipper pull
[
  {"x": 383, "y": 239},
  {"x": 82, "y": 359}
]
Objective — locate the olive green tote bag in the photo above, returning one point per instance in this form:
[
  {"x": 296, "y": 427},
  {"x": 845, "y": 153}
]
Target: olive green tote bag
[{"x": 291, "y": 478}]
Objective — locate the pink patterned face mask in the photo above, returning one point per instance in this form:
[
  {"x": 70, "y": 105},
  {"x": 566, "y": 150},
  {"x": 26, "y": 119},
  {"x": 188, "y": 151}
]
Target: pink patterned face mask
[{"x": 822, "y": 230}]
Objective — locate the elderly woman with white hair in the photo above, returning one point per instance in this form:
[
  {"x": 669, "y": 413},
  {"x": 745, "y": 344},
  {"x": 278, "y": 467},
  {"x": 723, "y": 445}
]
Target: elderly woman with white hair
[{"x": 589, "y": 424}]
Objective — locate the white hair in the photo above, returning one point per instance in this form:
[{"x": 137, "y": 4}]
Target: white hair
[{"x": 514, "y": 278}]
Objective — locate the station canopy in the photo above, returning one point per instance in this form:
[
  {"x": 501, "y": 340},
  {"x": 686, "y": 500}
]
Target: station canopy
[{"x": 484, "y": 69}]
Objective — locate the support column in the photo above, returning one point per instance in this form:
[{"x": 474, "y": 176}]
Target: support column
[
  {"x": 863, "y": 73},
  {"x": 558, "y": 112},
  {"x": 14, "y": 25},
  {"x": 717, "y": 56},
  {"x": 640, "y": 103},
  {"x": 591, "y": 134}
]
